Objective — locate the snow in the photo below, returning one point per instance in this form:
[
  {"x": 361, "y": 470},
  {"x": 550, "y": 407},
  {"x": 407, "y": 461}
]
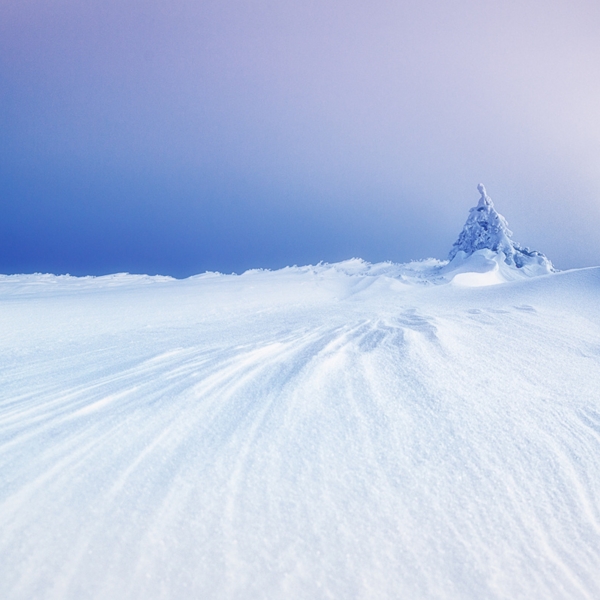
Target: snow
[
  {"x": 331, "y": 431},
  {"x": 486, "y": 229}
]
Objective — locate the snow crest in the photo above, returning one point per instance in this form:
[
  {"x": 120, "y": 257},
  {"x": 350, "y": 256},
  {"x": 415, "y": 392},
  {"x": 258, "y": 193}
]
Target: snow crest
[{"x": 487, "y": 229}]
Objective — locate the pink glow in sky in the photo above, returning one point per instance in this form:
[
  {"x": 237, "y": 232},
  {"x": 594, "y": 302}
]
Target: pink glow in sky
[{"x": 358, "y": 127}]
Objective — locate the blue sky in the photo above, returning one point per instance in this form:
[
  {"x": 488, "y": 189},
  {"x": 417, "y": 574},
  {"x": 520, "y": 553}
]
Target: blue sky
[{"x": 177, "y": 137}]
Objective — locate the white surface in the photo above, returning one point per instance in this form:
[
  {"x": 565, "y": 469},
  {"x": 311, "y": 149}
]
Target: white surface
[{"x": 340, "y": 431}]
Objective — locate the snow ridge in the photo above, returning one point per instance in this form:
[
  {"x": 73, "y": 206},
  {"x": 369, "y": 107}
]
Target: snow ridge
[{"x": 487, "y": 229}]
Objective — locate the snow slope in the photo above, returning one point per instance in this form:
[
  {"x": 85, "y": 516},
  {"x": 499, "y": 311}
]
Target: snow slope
[{"x": 338, "y": 431}]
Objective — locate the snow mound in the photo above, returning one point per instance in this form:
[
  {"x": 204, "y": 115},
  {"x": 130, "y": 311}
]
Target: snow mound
[{"x": 487, "y": 229}]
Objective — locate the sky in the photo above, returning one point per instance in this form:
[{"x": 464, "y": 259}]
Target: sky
[{"x": 181, "y": 136}]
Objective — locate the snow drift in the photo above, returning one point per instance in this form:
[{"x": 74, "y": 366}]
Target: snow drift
[{"x": 335, "y": 431}]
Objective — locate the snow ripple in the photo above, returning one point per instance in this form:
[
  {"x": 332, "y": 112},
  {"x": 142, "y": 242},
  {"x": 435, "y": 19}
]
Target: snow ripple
[{"x": 172, "y": 441}]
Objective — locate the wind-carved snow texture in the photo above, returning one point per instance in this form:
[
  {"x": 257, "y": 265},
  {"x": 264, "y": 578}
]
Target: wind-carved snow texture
[
  {"x": 338, "y": 431},
  {"x": 486, "y": 229}
]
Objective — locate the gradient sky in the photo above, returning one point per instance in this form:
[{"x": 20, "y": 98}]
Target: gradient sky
[{"x": 181, "y": 136}]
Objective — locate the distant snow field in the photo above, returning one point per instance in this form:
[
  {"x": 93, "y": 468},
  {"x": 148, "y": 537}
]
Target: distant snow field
[{"x": 429, "y": 430}]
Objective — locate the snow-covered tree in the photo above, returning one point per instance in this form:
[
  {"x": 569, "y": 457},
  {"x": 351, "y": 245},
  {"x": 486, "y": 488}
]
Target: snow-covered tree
[{"x": 486, "y": 229}]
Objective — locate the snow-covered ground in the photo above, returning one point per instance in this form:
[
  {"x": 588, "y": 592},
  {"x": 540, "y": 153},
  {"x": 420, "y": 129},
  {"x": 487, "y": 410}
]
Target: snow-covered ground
[
  {"x": 338, "y": 431},
  {"x": 420, "y": 431}
]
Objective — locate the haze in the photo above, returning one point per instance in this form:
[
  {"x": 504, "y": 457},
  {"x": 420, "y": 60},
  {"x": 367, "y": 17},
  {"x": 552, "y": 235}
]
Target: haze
[{"x": 178, "y": 137}]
